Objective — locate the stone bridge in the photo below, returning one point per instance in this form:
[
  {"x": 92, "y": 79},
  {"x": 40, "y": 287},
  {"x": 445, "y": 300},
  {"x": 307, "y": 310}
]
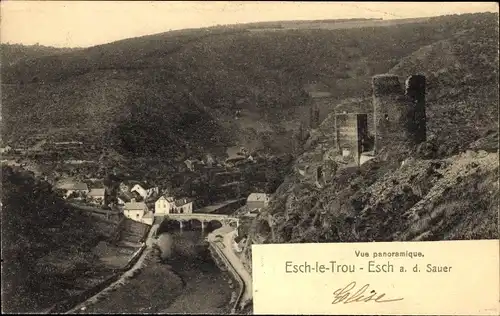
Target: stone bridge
[{"x": 202, "y": 219}]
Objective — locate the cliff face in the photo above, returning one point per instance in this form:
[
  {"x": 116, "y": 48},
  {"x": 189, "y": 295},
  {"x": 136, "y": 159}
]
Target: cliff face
[{"x": 445, "y": 188}]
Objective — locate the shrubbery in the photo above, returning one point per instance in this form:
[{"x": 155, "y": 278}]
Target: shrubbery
[{"x": 36, "y": 222}]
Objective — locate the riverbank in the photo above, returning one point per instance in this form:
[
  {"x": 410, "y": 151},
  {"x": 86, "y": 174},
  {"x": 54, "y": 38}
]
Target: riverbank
[
  {"x": 189, "y": 282},
  {"x": 153, "y": 288},
  {"x": 132, "y": 268}
]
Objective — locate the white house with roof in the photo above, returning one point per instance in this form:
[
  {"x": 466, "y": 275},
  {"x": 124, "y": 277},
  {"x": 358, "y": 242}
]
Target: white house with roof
[
  {"x": 168, "y": 205},
  {"x": 138, "y": 211},
  {"x": 258, "y": 200},
  {"x": 145, "y": 190},
  {"x": 70, "y": 188},
  {"x": 97, "y": 195},
  {"x": 163, "y": 205}
]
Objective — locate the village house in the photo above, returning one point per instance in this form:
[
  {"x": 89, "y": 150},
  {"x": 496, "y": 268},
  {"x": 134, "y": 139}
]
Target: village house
[
  {"x": 145, "y": 190},
  {"x": 97, "y": 195},
  {"x": 258, "y": 201},
  {"x": 183, "y": 206},
  {"x": 168, "y": 205},
  {"x": 77, "y": 188},
  {"x": 138, "y": 211},
  {"x": 163, "y": 205}
]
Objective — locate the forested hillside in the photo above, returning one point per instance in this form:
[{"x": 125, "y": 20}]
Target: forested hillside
[
  {"x": 45, "y": 244},
  {"x": 180, "y": 90},
  {"x": 446, "y": 188},
  {"x": 12, "y": 53}
]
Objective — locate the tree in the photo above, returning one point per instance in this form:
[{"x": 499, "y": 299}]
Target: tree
[{"x": 29, "y": 208}]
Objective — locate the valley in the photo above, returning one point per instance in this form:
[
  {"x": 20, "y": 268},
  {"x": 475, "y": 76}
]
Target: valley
[{"x": 280, "y": 126}]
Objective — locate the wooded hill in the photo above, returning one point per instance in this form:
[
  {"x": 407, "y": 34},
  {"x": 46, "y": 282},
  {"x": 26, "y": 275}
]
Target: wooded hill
[{"x": 179, "y": 91}]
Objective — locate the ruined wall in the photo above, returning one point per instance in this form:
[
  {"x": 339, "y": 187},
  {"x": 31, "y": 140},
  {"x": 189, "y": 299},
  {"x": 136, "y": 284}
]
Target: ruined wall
[
  {"x": 351, "y": 135},
  {"x": 390, "y": 113},
  {"x": 415, "y": 95}
]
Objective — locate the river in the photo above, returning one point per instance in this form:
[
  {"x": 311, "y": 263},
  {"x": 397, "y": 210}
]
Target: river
[
  {"x": 205, "y": 287},
  {"x": 186, "y": 281}
]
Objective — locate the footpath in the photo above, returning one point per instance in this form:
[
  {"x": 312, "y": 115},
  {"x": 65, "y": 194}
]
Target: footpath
[{"x": 130, "y": 273}]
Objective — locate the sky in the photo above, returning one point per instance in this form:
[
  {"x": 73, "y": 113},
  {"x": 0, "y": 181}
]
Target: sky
[{"x": 88, "y": 23}]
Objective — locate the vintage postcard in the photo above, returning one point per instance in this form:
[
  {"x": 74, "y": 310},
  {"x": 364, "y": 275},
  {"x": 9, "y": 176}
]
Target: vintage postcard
[{"x": 278, "y": 158}]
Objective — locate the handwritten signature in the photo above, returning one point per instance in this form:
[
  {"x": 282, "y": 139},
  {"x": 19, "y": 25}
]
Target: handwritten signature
[{"x": 343, "y": 295}]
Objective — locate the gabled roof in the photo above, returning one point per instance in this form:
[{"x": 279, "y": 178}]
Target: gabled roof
[
  {"x": 257, "y": 197},
  {"x": 143, "y": 185},
  {"x": 78, "y": 186},
  {"x": 135, "y": 206},
  {"x": 181, "y": 202},
  {"x": 97, "y": 192},
  {"x": 168, "y": 198}
]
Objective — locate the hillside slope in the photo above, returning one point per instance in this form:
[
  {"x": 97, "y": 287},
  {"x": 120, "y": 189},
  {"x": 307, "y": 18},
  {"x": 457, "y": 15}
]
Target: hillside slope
[
  {"x": 446, "y": 188},
  {"x": 13, "y": 53},
  {"x": 46, "y": 245},
  {"x": 180, "y": 90}
]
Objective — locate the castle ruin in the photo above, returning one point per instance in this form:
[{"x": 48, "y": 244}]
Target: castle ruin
[
  {"x": 399, "y": 115},
  {"x": 415, "y": 94},
  {"x": 351, "y": 136},
  {"x": 399, "y": 122}
]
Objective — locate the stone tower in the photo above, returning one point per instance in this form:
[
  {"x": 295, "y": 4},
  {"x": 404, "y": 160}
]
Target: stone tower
[
  {"x": 390, "y": 113},
  {"x": 415, "y": 94}
]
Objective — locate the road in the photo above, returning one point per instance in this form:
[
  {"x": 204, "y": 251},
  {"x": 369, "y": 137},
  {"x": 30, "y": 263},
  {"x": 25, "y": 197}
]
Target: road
[
  {"x": 228, "y": 234},
  {"x": 238, "y": 266}
]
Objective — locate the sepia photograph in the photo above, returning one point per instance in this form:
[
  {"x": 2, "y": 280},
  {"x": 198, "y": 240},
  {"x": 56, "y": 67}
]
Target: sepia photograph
[{"x": 148, "y": 146}]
